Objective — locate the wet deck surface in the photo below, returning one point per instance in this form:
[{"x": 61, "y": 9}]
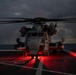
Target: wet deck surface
[{"x": 60, "y": 64}]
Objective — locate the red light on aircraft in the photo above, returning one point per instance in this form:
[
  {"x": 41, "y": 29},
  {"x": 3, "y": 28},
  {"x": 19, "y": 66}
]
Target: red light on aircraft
[
  {"x": 40, "y": 52},
  {"x": 21, "y": 48},
  {"x": 34, "y": 57}
]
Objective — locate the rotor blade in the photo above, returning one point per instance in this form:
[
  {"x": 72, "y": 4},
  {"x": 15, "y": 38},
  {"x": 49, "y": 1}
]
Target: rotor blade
[
  {"x": 64, "y": 19},
  {"x": 35, "y": 20},
  {"x": 40, "y": 19},
  {"x": 15, "y": 18},
  {"x": 15, "y": 21},
  {"x": 68, "y": 20},
  {"x": 47, "y": 20}
]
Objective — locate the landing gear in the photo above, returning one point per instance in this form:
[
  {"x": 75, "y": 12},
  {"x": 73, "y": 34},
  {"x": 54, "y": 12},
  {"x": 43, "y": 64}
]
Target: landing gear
[
  {"x": 36, "y": 57},
  {"x": 54, "y": 52},
  {"x": 46, "y": 52},
  {"x": 32, "y": 57}
]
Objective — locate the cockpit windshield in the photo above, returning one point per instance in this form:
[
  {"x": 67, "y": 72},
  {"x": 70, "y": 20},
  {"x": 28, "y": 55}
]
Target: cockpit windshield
[
  {"x": 35, "y": 34},
  {"x": 29, "y": 35},
  {"x": 40, "y": 34}
]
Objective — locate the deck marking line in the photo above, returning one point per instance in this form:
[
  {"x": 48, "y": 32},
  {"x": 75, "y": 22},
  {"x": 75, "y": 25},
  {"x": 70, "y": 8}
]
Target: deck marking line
[
  {"x": 36, "y": 69},
  {"x": 39, "y": 69},
  {"x": 12, "y": 50}
]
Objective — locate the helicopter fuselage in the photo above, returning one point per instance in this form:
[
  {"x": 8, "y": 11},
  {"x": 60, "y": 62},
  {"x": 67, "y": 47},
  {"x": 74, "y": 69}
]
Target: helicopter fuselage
[
  {"x": 33, "y": 41},
  {"x": 37, "y": 40}
]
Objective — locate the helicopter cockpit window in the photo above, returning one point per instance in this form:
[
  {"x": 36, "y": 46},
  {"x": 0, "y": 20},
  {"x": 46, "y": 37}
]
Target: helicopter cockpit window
[
  {"x": 34, "y": 34},
  {"x": 40, "y": 34},
  {"x": 29, "y": 35}
]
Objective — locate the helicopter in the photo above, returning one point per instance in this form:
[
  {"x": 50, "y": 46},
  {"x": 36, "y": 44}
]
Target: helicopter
[{"x": 37, "y": 40}]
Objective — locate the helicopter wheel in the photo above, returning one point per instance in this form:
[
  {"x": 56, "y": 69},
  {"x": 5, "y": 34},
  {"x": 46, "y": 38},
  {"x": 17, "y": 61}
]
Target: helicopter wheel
[
  {"x": 50, "y": 52},
  {"x": 36, "y": 57}
]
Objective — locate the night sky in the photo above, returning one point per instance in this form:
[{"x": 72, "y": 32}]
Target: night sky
[{"x": 37, "y": 8}]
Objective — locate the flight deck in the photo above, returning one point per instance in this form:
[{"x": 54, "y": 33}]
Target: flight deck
[{"x": 18, "y": 64}]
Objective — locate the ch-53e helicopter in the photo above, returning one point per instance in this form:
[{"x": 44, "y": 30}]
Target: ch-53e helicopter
[{"x": 38, "y": 38}]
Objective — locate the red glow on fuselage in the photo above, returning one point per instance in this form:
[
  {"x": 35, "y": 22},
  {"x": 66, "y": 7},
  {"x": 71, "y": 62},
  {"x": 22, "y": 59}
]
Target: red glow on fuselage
[
  {"x": 40, "y": 52},
  {"x": 21, "y": 48},
  {"x": 52, "y": 48}
]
